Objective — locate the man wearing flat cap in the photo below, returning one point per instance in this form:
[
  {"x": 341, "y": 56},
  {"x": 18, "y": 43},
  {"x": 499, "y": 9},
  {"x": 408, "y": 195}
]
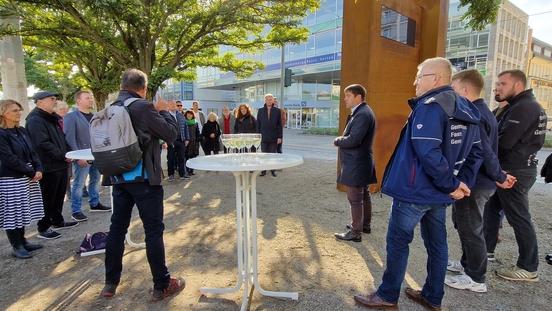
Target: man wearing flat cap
[{"x": 48, "y": 140}]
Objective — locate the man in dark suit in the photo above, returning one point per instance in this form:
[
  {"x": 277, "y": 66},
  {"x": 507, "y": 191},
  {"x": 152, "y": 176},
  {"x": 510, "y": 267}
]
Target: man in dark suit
[
  {"x": 356, "y": 161},
  {"x": 269, "y": 124}
]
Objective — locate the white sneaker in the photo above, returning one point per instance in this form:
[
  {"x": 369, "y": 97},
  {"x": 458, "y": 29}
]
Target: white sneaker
[
  {"x": 455, "y": 266},
  {"x": 463, "y": 281}
]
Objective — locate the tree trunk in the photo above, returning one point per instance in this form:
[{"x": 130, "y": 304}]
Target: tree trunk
[
  {"x": 12, "y": 66},
  {"x": 100, "y": 99}
]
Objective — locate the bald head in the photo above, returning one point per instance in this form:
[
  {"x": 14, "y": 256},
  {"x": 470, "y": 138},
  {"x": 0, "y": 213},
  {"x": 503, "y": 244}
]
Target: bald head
[{"x": 433, "y": 73}]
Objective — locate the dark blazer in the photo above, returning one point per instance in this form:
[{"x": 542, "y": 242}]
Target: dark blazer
[
  {"x": 355, "y": 149},
  {"x": 17, "y": 155},
  {"x": 48, "y": 139},
  {"x": 150, "y": 126},
  {"x": 208, "y": 142},
  {"x": 271, "y": 129},
  {"x": 245, "y": 125}
]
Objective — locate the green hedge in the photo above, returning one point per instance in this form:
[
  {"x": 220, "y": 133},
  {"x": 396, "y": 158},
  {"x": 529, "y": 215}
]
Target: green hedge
[{"x": 321, "y": 131}]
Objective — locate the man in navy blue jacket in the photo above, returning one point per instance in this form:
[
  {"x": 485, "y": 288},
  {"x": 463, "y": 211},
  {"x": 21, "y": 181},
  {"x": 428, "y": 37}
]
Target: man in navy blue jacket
[
  {"x": 435, "y": 161},
  {"x": 467, "y": 213},
  {"x": 356, "y": 161}
]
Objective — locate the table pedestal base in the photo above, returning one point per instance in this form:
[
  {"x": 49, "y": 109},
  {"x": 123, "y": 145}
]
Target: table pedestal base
[{"x": 246, "y": 211}]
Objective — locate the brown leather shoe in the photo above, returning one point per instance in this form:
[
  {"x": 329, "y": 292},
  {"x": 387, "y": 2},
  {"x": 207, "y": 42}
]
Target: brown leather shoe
[
  {"x": 375, "y": 302},
  {"x": 176, "y": 285},
  {"x": 416, "y": 296}
]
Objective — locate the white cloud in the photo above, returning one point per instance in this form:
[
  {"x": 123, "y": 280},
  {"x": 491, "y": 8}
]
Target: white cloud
[{"x": 540, "y": 23}]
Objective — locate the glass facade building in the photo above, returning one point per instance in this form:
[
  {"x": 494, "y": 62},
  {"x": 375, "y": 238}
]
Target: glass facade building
[
  {"x": 312, "y": 100},
  {"x": 177, "y": 90}
]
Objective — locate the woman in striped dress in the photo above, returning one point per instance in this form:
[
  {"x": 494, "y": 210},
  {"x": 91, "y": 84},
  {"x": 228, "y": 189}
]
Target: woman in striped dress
[{"x": 20, "y": 171}]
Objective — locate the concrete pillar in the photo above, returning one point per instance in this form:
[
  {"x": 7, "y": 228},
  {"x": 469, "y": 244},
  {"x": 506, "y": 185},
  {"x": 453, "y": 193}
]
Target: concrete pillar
[{"x": 12, "y": 67}]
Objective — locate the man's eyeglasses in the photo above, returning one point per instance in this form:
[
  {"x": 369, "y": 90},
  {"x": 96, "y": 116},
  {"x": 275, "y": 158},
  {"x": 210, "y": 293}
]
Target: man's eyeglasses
[
  {"x": 178, "y": 105},
  {"x": 418, "y": 77}
]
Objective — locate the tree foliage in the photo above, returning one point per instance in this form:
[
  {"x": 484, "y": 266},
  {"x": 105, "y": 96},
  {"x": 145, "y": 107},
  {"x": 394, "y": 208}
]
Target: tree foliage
[
  {"x": 46, "y": 72},
  {"x": 163, "y": 38},
  {"x": 480, "y": 13}
]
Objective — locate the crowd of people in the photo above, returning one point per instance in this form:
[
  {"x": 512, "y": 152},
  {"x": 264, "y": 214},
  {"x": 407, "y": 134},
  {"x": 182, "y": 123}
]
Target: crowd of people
[
  {"x": 35, "y": 174},
  {"x": 453, "y": 150}
]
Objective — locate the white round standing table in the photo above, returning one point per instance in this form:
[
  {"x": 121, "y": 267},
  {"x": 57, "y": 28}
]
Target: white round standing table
[
  {"x": 246, "y": 167},
  {"x": 86, "y": 154}
]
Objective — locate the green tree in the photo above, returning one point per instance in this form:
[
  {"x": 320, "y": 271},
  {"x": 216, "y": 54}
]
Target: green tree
[
  {"x": 165, "y": 38},
  {"x": 48, "y": 73},
  {"x": 480, "y": 13}
]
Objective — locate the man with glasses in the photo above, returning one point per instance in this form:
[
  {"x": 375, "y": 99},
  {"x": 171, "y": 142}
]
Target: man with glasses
[
  {"x": 436, "y": 159},
  {"x": 179, "y": 107}
]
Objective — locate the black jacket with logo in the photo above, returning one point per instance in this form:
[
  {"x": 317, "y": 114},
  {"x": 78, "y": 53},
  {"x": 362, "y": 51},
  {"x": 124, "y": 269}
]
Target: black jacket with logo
[
  {"x": 48, "y": 140},
  {"x": 521, "y": 132}
]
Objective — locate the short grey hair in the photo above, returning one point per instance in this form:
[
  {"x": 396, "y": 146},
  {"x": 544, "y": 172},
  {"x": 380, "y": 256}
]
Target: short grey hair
[{"x": 134, "y": 80}]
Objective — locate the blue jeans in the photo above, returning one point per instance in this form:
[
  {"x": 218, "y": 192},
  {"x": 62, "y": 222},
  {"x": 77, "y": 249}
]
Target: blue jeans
[
  {"x": 79, "y": 178},
  {"x": 404, "y": 218}
]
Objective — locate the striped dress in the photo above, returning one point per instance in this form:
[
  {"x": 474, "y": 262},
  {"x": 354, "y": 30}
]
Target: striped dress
[{"x": 20, "y": 202}]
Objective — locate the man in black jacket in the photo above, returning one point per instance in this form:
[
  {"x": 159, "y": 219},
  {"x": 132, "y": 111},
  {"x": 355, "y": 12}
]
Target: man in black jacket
[
  {"x": 521, "y": 132},
  {"x": 467, "y": 213},
  {"x": 356, "y": 161},
  {"x": 269, "y": 124},
  {"x": 44, "y": 128},
  {"x": 151, "y": 123}
]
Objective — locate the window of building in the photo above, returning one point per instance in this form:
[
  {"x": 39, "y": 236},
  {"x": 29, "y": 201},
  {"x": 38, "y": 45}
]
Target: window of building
[
  {"x": 324, "y": 91},
  {"x": 310, "y": 46},
  {"x": 272, "y": 56},
  {"x": 338, "y": 39},
  {"x": 309, "y": 90},
  {"x": 339, "y": 8},
  {"x": 295, "y": 51},
  {"x": 460, "y": 42},
  {"x": 397, "y": 27},
  {"x": 215, "y": 110},
  {"x": 483, "y": 40},
  {"x": 325, "y": 42},
  {"x": 326, "y": 12},
  {"x": 548, "y": 53}
]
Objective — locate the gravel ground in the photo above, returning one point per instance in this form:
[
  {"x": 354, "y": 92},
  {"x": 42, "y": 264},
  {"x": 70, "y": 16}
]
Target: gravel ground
[{"x": 298, "y": 213}]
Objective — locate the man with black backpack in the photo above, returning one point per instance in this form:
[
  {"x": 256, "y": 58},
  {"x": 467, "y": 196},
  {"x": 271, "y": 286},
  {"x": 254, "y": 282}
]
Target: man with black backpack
[{"x": 151, "y": 123}]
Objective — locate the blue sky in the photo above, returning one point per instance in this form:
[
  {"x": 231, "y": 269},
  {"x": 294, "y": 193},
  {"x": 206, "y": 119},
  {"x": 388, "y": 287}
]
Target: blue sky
[{"x": 541, "y": 23}]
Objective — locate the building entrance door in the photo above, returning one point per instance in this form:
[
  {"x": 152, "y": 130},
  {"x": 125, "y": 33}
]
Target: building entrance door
[{"x": 294, "y": 118}]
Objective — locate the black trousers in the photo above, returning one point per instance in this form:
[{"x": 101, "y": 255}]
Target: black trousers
[
  {"x": 53, "y": 186},
  {"x": 176, "y": 158},
  {"x": 467, "y": 216},
  {"x": 149, "y": 200},
  {"x": 515, "y": 203},
  {"x": 269, "y": 147}
]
